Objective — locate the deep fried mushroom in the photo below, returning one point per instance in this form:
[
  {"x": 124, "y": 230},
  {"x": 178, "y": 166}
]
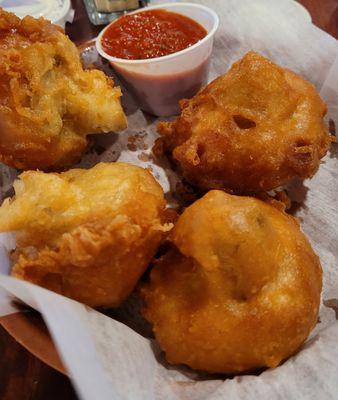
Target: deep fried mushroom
[
  {"x": 87, "y": 234},
  {"x": 250, "y": 130},
  {"x": 48, "y": 103},
  {"x": 239, "y": 290}
]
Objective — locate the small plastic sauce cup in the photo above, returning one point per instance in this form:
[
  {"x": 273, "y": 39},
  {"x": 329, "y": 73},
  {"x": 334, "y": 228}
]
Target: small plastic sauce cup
[{"x": 159, "y": 83}]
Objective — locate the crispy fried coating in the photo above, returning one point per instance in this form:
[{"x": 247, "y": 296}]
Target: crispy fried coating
[
  {"x": 87, "y": 234},
  {"x": 250, "y": 130},
  {"x": 48, "y": 103},
  {"x": 239, "y": 290}
]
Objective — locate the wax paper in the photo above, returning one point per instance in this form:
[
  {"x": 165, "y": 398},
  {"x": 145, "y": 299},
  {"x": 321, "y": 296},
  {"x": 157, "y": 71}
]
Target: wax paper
[{"x": 108, "y": 359}]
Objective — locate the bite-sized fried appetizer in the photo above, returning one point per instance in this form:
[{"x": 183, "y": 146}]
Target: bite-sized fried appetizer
[
  {"x": 238, "y": 290},
  {"x": 251, "y": 130},
  {"x": 87, "y": 234},
  {"x": 48, "y": 103}
]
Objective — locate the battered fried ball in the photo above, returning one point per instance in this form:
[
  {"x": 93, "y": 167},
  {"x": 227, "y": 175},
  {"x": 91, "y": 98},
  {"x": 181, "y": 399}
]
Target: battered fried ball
[
  {"x": 48, "y": 103},
  {"x": 251, "y": 130},
  {"x": 239, "y": 290},
  {"x": 87, "y": 234}
]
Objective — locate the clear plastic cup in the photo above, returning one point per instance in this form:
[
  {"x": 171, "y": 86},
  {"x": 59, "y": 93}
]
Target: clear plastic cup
[{"x": 159, "y": 83}]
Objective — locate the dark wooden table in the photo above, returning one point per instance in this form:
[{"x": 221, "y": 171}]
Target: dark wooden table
[{"x": 22, "y": 376}]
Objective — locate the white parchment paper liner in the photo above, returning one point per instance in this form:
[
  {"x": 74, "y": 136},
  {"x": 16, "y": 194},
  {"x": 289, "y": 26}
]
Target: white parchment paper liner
[{"x": 108, "y": 360}]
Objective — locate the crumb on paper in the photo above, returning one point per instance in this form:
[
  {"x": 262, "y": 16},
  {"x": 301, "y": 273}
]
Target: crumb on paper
[
  {"x": 144, "y": 157},
  {"x": 136, "y": 142},
  {"x": 332, "y": 128}
]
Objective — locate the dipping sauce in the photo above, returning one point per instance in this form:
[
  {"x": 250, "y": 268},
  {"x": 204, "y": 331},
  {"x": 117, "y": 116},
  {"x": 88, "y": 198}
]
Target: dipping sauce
[{"x": 150, "y": 34}]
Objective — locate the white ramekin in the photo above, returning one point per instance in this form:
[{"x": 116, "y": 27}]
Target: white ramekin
[
  {"x": 159, "y": 83},
  {"x": 57, "y": 11}
]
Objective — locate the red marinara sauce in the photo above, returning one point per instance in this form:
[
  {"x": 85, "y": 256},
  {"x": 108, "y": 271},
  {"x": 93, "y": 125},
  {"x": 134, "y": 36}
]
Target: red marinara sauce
[{"x": 151, "y": 34}]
